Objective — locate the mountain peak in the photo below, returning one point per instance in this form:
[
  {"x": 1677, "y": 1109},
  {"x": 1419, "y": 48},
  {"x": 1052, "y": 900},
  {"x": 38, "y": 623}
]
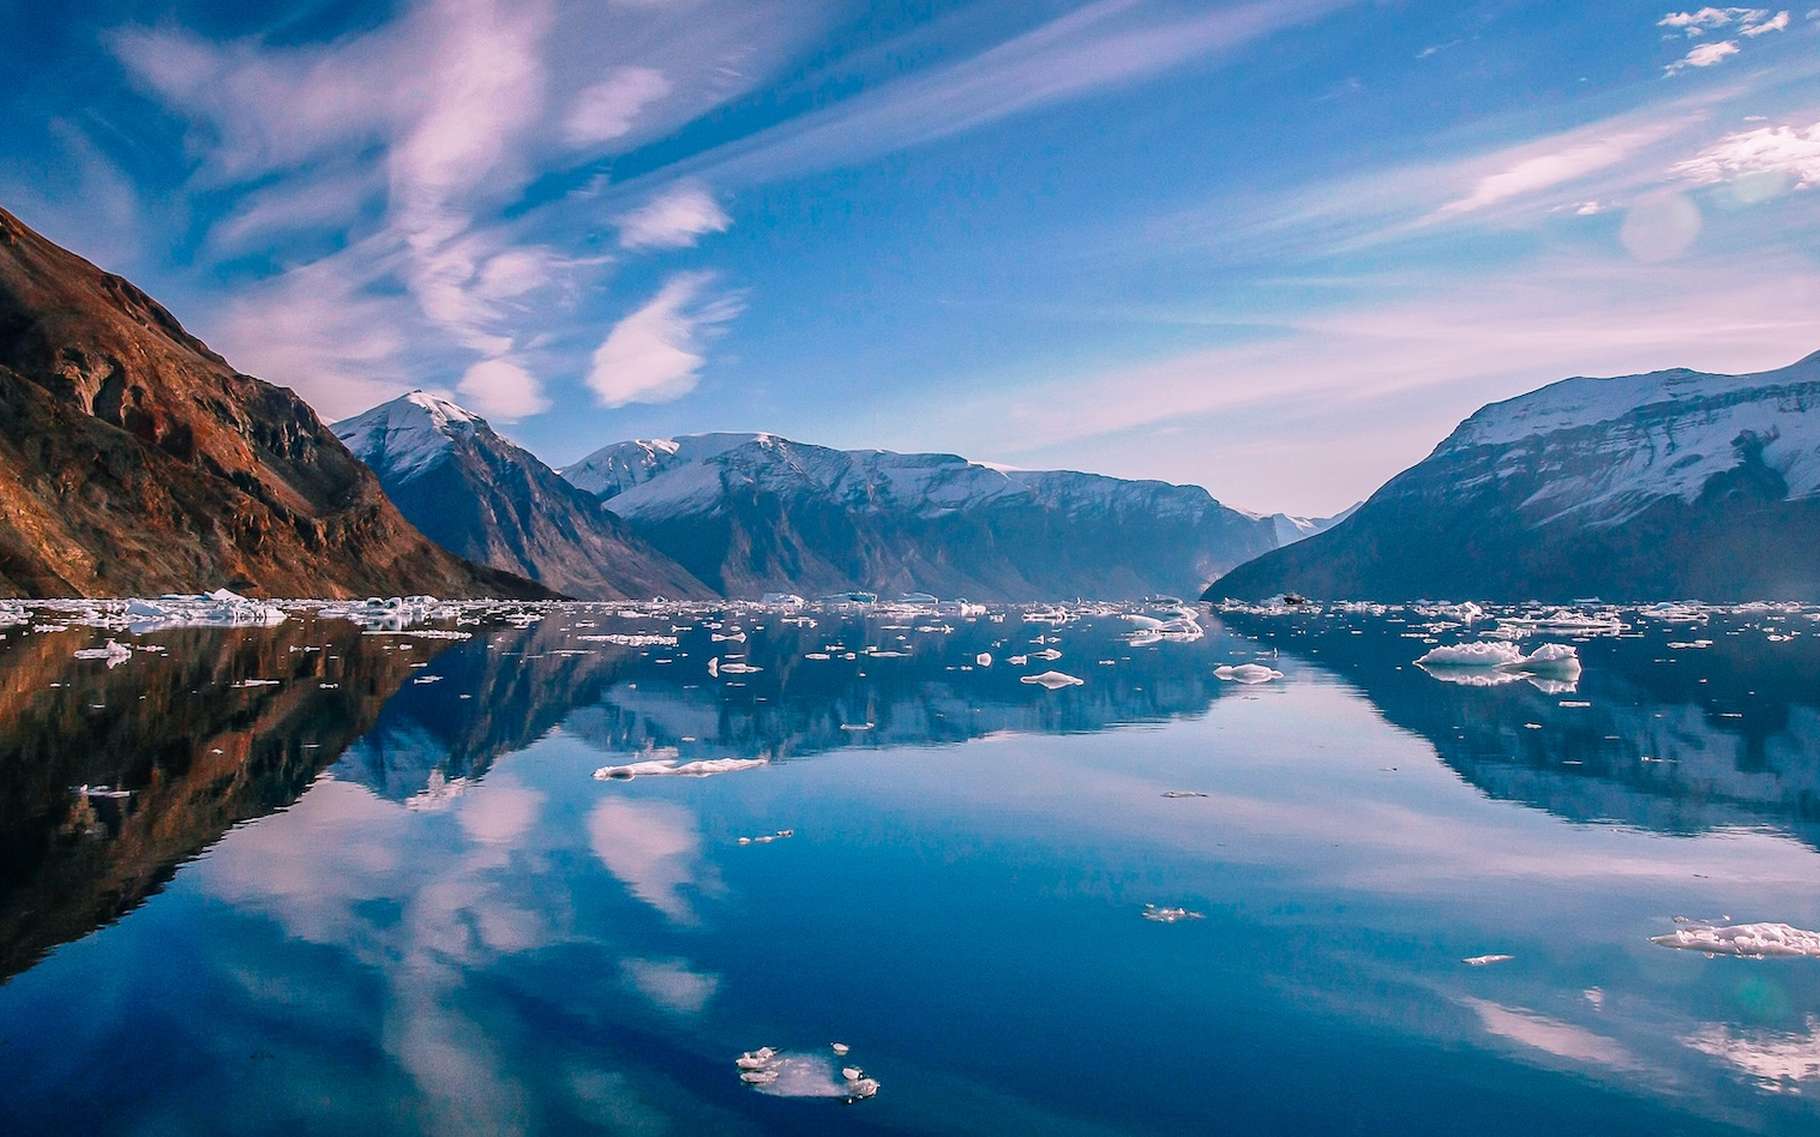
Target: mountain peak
[{"x": 408, "y": 434}]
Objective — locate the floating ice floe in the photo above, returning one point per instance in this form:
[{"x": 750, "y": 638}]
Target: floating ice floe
[
  {"x": 1183, "y": 793},
  {"x": 1751, "y": 941},
  {"x": 112, "y": 652},
  {"x": 774, "y": 1072},
  {"x": 218, "y": 609},
  {"x": 767, "y": 838},
  {"x": 1555, "y": 661},
  {"x": 1052, "y": 680},
  {"x": 624, "y": 639},
  {"x": 670, "y": 767},
  {"x": 1169, "y": 915},
  {"x": 983, "y": 659},
  {"x": 1485, "y": 960},
  {"x": 1247, "y": 673},
  {"x": 840, "y": 1049}
]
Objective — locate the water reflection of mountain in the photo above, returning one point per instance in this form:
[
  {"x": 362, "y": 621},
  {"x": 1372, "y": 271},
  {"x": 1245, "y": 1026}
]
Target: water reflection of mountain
[
  {"x": 621, "y": 700},
  {"x": 929, "y": 690},
  {"x": 197, "y": 754},
  {"x": 1677, "y": 740}
]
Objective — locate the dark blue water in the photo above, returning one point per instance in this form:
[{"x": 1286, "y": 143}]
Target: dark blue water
[{"x": 386, "y": 895}]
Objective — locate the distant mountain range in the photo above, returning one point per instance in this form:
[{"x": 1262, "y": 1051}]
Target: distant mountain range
[
  {"x": 135, "y": 460},
  {"x": 482, "y": 497},
  {"x": 1673, "y": 484},
  {"x": 756, "y": 513}
]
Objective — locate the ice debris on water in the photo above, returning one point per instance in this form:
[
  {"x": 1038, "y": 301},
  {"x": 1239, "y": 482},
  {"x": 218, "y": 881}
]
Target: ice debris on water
[
  {"x": 1247, "y": 673},
  {"x": 774, "y": 1072},
  {"x": 1158, "y": 915},
  {"x": 1052, "y": 680},
  {"x": 1557, "y": 661},
  {"x": 671, "y": 767},
  {"x": 112, "y": 652},
  {"x": 1183, "y": 793},
  {"x": 840, "y": 1049},
  {"x": 1751, "y": 941},
  {"x": 1485, "y": 960},
  {"x": 767, "y": 838}
]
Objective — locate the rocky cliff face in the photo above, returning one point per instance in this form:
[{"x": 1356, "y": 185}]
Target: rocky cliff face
[
  {"x": 481, "y": 497},
  {"x": 135, "y": 460},
  {"x": 1675, "y": 484},
  {"x": 753, "y": 513}
]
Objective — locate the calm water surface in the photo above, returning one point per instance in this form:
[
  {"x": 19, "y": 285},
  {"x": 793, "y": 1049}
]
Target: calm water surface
[{"x": 384, "y": 894}]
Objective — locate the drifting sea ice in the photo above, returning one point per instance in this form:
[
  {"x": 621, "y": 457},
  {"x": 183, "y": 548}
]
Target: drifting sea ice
[
  {"x": 670, "y": 767},
  {"x": 1052, "y": 680},
  {"x": 1561, "y": 661},
  {"x": 774, "y": 1072},
  {"x": 1169, "y": 915},
  {"x": 1751, "y": 941},
  {"x": 1247, "y": 673},
  {"x": 114, "y": 653}
]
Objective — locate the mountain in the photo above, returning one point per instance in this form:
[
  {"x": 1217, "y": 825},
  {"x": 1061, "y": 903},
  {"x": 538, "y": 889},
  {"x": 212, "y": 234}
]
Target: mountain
[
  {"x": 483, "y": 498},
  {"x": 135, "y": 460},
  {"x": 1675, "y": 484},
  {"x": 755, "y": 513},
  {"x": 1291, "y": 528}
]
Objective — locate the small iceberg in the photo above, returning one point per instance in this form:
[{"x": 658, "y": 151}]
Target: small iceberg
[
  {"x": 1750, "y": 941},
  {"x": 1247, "y": 673},
  {"x": 1486, "y": 960},
  {"x": 113, "y": 653},
  {"x": 670, "y": 767},
  {"x": 1502, "y": 658},
  {"x": 774, "y": 1072},
  {"x": 1052, "y": 680},
  {"x": 1169, "y": 915}
]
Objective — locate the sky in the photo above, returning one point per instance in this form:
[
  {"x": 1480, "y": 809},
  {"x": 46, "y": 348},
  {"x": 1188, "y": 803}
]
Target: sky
[{"x": 1275, "y": 248}]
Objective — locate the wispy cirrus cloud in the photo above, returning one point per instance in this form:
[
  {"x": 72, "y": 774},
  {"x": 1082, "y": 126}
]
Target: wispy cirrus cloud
[
  {"x": 1097, "y": 48},
  {"x": 676, "y": 218},
  {"x": 655, "y": 354},
  {"x": 454, "y": 107}
]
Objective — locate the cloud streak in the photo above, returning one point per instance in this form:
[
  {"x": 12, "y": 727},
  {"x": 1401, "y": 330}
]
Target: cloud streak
[{"x": 655, "y": 355}]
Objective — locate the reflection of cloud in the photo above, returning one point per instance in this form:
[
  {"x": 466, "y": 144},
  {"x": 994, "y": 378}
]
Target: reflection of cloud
[
  {"x": 1552, "y": 1036},
  {"x": 499, "y": 812},
  {"x": 671, "y": 983},
  {"x": 652, "y": 846},
  {"x": 1774, "y": 1061}
]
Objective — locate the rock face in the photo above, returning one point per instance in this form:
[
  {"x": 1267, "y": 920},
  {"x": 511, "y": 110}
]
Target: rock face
[
  {"x": 135, "y": 460},
  {"x": 483, "y": 498},
  {"x": 1670, "y": 485},
  {"x": 755, "y": 513}
]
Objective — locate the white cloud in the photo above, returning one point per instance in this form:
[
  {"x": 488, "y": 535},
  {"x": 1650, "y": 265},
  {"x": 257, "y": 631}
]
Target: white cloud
[
  {"x": 673, "y": 219},
  {"x": 655, "y": 354},
  {"x": 1788, "y": 152},
  {"x": 1750, "y": 21},
  {"x": 501, "y": 389},
  {"x": 1531, "y": 171},
  {"x": 1706, "y": 55},
  {"x": 608, "y": 109}
]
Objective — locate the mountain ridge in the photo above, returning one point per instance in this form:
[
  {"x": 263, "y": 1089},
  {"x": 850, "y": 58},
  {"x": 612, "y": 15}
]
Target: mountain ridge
[
  {"x": 1673, "y": 484},
  {"x": 483, "y": 497}
]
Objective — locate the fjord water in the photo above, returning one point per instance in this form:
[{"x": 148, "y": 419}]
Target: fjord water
[{"x": 384, "y": 894}]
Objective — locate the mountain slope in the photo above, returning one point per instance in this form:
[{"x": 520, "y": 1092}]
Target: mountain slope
[
  {"x": 134, "y": 460},
  {"x": 752, "y": 513},
  {"x": 1674, "y": 484},
  {"x": 483, "y": 498}
]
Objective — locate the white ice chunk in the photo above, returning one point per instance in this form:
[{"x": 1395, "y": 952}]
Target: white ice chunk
[
  {"x": 1052, "y": 680},
  {"x": 1752, "y": 941},
  {"x": 701, "y": 768},
  {"x": 1247, "y": 673}
]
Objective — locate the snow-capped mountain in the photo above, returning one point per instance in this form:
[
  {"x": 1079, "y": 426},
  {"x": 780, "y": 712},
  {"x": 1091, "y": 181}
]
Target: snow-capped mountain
[
  {"x": 478, "y": 495},
  {"x": 1674, "y": 484},
  {"x": 753, "y": 513}
]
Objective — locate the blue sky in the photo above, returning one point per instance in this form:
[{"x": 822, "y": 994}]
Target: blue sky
[{"x": 1278, "y": 249}]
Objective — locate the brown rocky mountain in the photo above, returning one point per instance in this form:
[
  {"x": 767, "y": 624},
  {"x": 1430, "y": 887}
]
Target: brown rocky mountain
[{"x": 133, "y": 459}]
